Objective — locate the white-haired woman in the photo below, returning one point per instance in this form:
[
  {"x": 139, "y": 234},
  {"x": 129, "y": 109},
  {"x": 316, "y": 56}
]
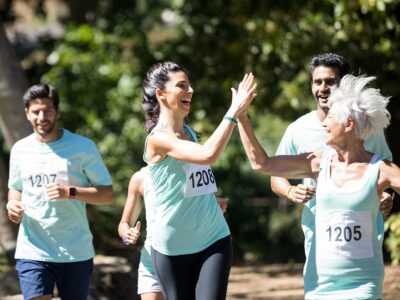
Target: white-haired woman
[{"x": 348, "y": 254}]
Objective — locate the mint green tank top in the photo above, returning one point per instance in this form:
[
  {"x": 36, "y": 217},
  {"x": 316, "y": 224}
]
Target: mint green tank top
[
  {"x": 188, "y": 218},
  {"x": 348, "y": 253}
]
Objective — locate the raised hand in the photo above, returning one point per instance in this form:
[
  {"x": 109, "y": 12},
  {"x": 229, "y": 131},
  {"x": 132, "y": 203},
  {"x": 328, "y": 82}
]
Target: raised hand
[{"x": 242, "y": 97}]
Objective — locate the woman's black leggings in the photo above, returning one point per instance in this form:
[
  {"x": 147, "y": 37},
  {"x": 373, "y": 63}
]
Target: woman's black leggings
[{"x": 200, "y": 276}]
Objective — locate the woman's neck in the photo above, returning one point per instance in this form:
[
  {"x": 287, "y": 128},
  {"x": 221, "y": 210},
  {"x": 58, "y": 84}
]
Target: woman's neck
[
  {"x": 171, "y": 123},
  {"x": 352, "y": 152}
]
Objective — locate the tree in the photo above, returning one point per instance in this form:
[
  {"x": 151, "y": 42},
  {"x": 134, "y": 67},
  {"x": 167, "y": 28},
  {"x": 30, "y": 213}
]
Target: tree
[
  {"x": 13, "y": 126},
  {"x": 99, "y": 64}
]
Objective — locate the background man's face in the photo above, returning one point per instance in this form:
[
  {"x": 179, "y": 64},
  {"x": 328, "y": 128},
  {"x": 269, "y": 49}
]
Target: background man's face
[
  {"x": 43, "y": 116},
  {"x": 323, "y": 80}
]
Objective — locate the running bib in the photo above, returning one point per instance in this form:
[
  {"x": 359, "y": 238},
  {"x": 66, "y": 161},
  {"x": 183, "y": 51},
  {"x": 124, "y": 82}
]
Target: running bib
[
  {"x": 37, "y": 175},
  {"x": 200, "y": 180},
  {"x": 343, "y": 234}
]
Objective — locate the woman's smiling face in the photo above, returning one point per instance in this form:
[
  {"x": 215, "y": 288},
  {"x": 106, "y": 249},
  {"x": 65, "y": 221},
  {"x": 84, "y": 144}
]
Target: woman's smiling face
[
  {"x": 177, "y": 94},
  {"x": 333, "y": 127}
]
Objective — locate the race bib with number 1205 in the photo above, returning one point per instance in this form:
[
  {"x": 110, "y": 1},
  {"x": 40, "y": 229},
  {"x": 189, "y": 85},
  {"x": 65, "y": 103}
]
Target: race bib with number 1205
[
  {"x": 200, "y": 180},
  {"x": 343, "y": 234}
]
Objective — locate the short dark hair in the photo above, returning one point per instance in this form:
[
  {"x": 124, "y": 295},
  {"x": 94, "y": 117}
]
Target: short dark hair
[
  {"x": 41, "y": 91},
  {"x": 332, "y": 60}
]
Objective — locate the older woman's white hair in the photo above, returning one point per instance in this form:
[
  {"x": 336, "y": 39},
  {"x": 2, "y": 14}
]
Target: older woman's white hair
[{"x": 365, "y": 105}]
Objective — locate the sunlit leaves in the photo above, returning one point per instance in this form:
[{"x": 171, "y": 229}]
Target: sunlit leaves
[{"x": 99, "y": 66}]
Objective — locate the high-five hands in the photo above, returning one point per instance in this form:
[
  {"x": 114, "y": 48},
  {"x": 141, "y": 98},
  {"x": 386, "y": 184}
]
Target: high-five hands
[{"x": 243, "y": 96}]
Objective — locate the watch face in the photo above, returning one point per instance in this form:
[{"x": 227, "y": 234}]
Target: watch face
[{"x": 72, "y": 192}]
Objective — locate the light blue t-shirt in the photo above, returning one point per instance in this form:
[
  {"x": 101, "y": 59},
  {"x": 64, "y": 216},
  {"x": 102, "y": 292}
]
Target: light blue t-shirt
[
  {"x": 348, "y": 252},
  {"x": 56, "y": 230},
  {"x": 306, "y": 134},
  {"x": 188, "y": 217}
]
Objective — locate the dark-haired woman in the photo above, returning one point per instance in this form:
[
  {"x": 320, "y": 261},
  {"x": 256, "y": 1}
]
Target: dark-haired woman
[{"x": 191, "y": 246}]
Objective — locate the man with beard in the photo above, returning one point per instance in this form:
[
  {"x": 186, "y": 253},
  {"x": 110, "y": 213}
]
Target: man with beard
[{"x": 53, "y": 175}]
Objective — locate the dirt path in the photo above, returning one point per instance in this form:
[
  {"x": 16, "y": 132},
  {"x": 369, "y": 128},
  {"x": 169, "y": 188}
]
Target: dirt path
[
  {"x": 255, "y": 282},
  {"x": 285, "y": 282}
]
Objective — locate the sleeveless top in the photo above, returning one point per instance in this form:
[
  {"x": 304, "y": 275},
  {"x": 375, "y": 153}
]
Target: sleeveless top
[
  {"x": 348, "y": 255},
  {"x": 306, "y": 134},
  {"x": 188, "y": 218}
]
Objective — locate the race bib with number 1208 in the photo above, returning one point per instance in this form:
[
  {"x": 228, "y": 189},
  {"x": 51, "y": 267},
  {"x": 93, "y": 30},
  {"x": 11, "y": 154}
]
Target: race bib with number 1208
[
  {"x": 343, "y": 234},
  {"x": 200, "y": 180}
]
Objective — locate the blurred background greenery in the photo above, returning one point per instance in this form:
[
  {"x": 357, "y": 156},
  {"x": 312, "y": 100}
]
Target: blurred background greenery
[{"x": 96, "y": 54}]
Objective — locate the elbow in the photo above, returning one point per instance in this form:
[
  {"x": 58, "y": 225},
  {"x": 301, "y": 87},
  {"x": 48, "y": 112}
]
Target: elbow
[
  {"x": 259, "y": 167},
  {"x": 108, "y": 197},
  {"x": 210, "y": 158},
  {"x": 256, "y": 167},
  {"x": 210, "y": 161}
]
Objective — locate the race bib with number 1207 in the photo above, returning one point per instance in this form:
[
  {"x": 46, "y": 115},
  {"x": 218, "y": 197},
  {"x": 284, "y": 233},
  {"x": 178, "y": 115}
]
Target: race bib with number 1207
[{"x": 36, "y": 175}]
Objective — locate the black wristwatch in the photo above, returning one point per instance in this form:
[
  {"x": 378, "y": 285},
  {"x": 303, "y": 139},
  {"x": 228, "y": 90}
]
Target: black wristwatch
[{"x": 72, "y": 192}]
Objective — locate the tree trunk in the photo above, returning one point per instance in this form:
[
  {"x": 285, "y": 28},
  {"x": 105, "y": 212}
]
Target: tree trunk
[
  {"x": 13, "y": 126},
  {"x": 8, "y": 230},
  {"x": 13, "y": 84}
]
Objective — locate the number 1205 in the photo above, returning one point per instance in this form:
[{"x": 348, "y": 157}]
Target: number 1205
[{"x": 347, "y": 233}]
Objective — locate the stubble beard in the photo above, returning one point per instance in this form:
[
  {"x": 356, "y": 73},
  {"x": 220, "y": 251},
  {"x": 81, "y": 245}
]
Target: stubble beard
[{"x": 44, "y": 133}]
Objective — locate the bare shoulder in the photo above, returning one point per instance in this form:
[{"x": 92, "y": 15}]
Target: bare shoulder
[
  {"x": 388, "y": 168},
  {"x": 162, "y": 143},
  {"x": 162, "y": 137},
  {"x": 389, "y": 175},
  {"x": 136, "y": 181}
]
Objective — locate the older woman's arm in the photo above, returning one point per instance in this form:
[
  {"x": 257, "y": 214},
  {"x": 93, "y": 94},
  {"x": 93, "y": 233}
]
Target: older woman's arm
[
  {"x": 289, "y": 166},
  {"x": 389, "y": 177}
]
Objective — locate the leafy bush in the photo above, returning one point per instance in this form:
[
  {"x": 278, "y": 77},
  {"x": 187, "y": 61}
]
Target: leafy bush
[{"x": 392, "y": 242}]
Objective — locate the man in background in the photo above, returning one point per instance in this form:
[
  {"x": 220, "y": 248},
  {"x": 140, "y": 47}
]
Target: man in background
[{"x": 53, "y": 175}]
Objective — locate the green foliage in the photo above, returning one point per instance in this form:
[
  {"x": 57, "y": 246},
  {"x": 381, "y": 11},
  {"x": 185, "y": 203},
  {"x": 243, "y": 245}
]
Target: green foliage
[
  {"x": 99, "y": 64},
  {"x": 392, "y": 242},
  {"x": 100, "y": 89},
  {"x": 4, "y": 264}
]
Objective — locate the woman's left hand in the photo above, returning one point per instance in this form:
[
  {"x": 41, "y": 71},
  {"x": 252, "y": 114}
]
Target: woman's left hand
[
  {"x": 242, "y": 97},
  {"x": 132, "y": 234},
  {"x": 223, "y": 203}
]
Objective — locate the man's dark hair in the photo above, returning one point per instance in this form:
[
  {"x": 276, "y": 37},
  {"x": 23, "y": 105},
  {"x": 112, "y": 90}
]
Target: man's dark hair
[
  {"x": 331, "y": 60},
  {"x": 41, "y": 91}
]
